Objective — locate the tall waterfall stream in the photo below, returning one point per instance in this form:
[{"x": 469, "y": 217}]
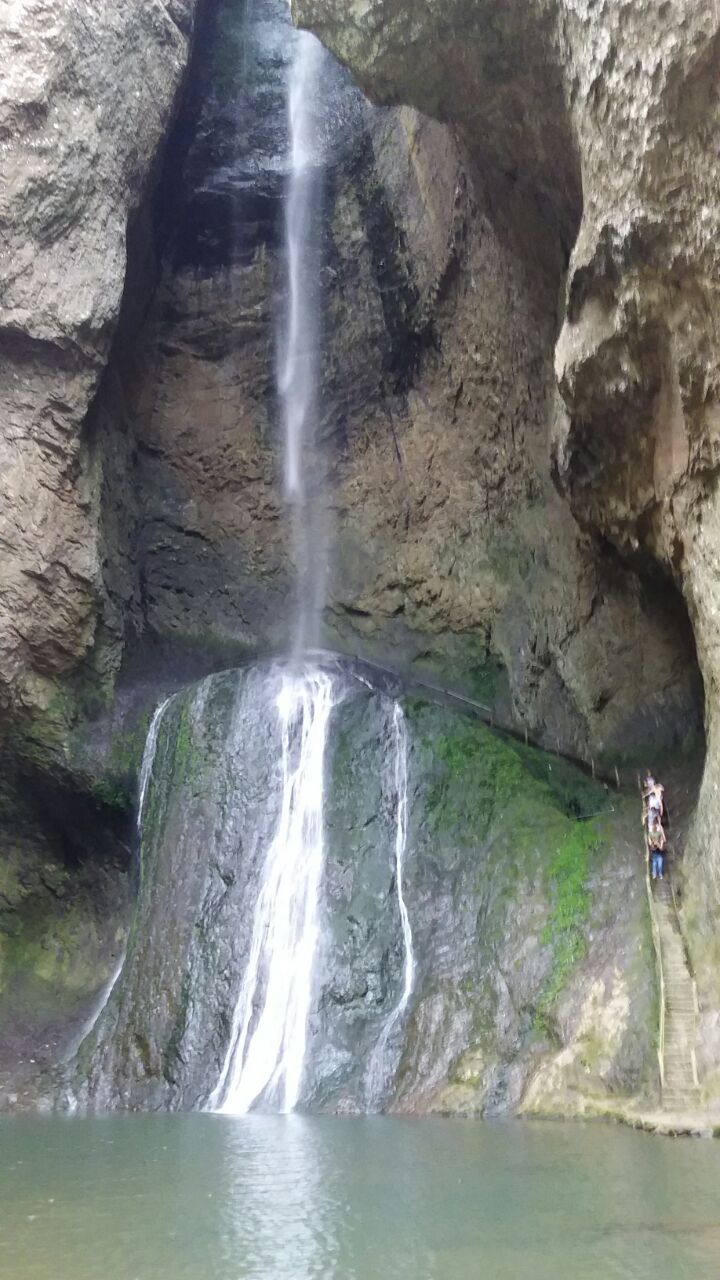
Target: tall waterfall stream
[
  {"x": 247, "y": 843},
  {"x": 300, "y": 336},
  {"x": 266, "y": 1052},
  {"x": 377, "y": 1073},
  {"x": 265, "y": 1057}
]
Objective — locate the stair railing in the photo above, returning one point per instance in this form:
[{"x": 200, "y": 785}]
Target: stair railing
[
  {"x": 696, "y": 1002},
  {"x": 659, "y": 966}
]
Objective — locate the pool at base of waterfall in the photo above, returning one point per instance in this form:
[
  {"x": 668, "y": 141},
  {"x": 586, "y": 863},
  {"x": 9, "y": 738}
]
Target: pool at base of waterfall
[{"x": 170, "y": 1197}]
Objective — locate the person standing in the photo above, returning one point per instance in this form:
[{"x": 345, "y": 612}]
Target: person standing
[
  {"x": 656, "y": 848},
  {"x": 653, "y": 794}
]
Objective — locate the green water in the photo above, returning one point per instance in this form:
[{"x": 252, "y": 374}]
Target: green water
[{"x": 215, "y": 1198}]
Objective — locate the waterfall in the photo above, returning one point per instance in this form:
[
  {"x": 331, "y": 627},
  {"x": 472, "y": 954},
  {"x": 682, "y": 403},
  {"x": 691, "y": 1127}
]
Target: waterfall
[
  {"x": 377, "y": 1072},
  {"x": 146, "y": 769},
  {"x": 148, "y": 761},
  {"x": 265, "y": 1056},
  {"x": 300, "y": 339}
]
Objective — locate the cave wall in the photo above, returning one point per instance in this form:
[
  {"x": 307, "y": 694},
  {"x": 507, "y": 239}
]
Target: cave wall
[
  {"x": 85, "y": 105},
  {"x": 451, "y": 550},
  {"x": 87, "y": 96},
  {"x": 623, "y": 101},
  {"x": 518, "y": 372}
]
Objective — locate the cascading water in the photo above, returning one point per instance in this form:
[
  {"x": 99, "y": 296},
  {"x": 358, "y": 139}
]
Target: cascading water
[
  {"x": 377, "y": 1073},
  {"x": 146, "y": 769},
  {"x": 265, "y": 1057},
  {"x": 264, "y": 1061},
  {"x": 299, "y": 345},
  {"x": 254, "y": 977},
  {"x": 148, "y": 761}
]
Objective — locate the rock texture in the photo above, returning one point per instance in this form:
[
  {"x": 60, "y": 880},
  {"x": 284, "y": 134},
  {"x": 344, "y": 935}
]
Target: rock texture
[
  {"x": 518, "y": 460},
  {"x": 630, "y": 95},
  {"x": 88, "y": 91},
  {"x": 65, "y": 903},
  {"x": 86, "y": 98},
  {"x": 533, "y": 978},
  {"x": 513, "y": 118},
  {"x": 451, "y": 549}
]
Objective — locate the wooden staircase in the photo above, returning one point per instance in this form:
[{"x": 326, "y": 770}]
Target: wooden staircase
[{"x": 678, "y": 1003}]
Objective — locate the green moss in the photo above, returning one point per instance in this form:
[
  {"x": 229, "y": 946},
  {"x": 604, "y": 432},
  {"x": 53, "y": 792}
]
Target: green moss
[
  {"x": 564, "y": 931},
  {"x": 574, "y": 793},
  {"x": 179, "y": 762},
  {"x": 126, "y": 749},
  {"x": 187, "y": 758},
  {"x": 115, "y": 786},
  {"x": 486, "y": 773},
  {"x": 113, "y": 793},
  {"x": 525, "y": 812},
  {"x": 42, "y": 734},
  {"x": 50, "y": 956}
]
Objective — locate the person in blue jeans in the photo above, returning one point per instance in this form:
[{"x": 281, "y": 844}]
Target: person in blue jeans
[{"x": 656, "y": 847}]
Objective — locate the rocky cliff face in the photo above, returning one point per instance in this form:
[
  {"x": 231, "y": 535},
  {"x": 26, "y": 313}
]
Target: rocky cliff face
[
  {"x": 85, "y": 104},
  {"x": 451, "y": 549},
  {"x": 88, "y": 91},
  {"x": 518, "y": 462},
  {"x": 623, "y": 108},
  {"x": 533, "y": 976}
]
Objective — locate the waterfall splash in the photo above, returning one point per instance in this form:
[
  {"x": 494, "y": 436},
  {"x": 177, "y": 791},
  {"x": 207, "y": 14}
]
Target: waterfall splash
[
  {"x": 300, "y": 340},
  {"x": 265, "y": 1057},
  {"x": 377, "y": 1073}
]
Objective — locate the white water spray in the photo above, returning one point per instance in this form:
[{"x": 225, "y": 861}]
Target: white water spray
[
  {"x": 377, "y": 1071},
  {"x": 265, "y": 1057},
  {"x": 148, "y": 761},
  {"x": 298, "y": 374},
  {"x": 300, "y": 337},
  {"x": 146, "y": 769}
]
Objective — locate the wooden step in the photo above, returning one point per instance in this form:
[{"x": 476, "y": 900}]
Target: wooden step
[{"x": 679, "y": 1092}]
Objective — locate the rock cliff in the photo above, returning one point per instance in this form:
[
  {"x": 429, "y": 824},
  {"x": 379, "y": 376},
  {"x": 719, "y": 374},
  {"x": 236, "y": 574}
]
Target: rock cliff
[
  {"x": 451, "y": 549},
  {"x": 518, "y": 450},
  {"x": 610, "y": 115},
  {"x": 533, "y": 972},
  {"x": 85, "y": 103},
  {"x": 88, "y": 92}
]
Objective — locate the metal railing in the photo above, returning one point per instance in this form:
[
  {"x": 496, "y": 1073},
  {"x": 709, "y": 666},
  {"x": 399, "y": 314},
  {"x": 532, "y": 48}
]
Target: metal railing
[
  {"x": 661, "y": 977},
  {"x": 696, "y": 1002},
  {"x": 660, "y": 972}
]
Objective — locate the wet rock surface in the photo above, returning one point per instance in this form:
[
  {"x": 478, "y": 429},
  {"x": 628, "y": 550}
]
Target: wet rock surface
[
  {"x": 66, "y": 894},
  {"x": 633, "y": 99},
  {"x": 629, "y": 100},
  {"x": 451, "y": 549},
  {"x": 501, "y": 1002},
  {"x": 518, "y": 438}
]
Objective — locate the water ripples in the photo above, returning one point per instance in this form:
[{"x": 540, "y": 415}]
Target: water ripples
[{"x": 197, "y": 1197}]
